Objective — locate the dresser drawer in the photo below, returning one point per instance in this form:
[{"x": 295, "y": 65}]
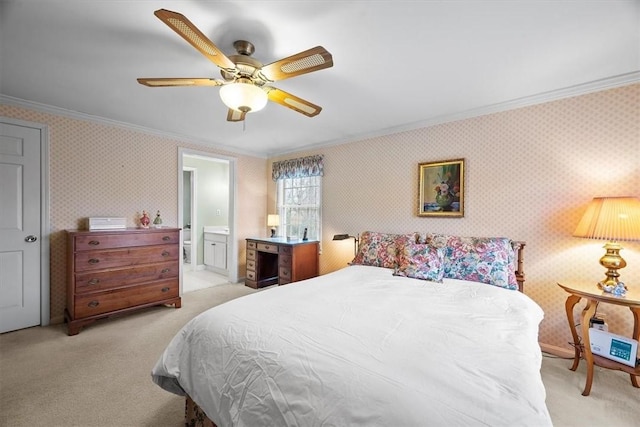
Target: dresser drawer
[
  {"x": 252, "y": 245},
  {"x": 251, "y": 254},
  {"x": 87, "y": 242},
  {"x": 284, "y": 261},
  {"x": 251, "y": 275},
  {"x": 287, "y": 250},
  {"x": 251, "y": 265},
  {"x": 284, "y": 273},
  {"x": 98, "y": 303},
  {"x": 116, "y": 278},
  {"x": 264, "y": 247},
  {"x": 99, "y": 260}
]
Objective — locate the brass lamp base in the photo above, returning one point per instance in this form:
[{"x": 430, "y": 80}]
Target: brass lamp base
[{"x": 612, "y": 261}]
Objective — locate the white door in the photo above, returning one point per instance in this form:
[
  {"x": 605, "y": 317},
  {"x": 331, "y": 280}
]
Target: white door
[{"x": 20, "y": 238}]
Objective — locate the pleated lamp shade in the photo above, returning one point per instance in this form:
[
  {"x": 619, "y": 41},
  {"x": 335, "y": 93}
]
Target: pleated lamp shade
[{"x": 611, "y": 218}]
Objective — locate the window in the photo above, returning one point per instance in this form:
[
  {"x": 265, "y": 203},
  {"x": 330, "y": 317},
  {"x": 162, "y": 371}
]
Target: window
[
  {"x": 299, "y": 198},
  {"x": 299, "y": 205}
]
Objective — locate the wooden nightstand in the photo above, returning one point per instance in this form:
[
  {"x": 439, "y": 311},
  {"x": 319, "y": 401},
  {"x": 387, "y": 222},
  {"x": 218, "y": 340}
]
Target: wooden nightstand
[{"x": 594, "y": 296}]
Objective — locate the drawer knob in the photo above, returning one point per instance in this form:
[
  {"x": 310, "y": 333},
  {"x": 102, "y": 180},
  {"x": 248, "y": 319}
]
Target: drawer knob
[
  {"x": 166, "y": 289},
  {"x": 165, "y": 270},
  {"x": 94, "y": 242},
  {"x": 165, "y": 253},
  {"x": 93, "y": 281},
  {"x": 166, "y": 238},
  {"x": 94, "y": 261},
  {"x": 267, "y": 247},
  {"x": 94, "y": 304}
]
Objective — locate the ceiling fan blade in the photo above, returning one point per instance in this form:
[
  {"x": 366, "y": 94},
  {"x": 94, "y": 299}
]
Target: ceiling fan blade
[
  {"x": 235, "y": 115},
  {"x": 178, "y": 81},
  {"x": 310, "y": 60},
  {"x": 293, "y": 102},
  {"x": 181, "y": 25}
]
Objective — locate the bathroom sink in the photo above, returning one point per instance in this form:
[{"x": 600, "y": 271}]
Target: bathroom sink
[{"x": 217, "y": 229}]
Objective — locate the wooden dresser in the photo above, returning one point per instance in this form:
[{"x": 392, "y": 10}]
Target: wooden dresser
[
  {"x": 117, "y": 271},
  {"x": 275, "y": 260}
]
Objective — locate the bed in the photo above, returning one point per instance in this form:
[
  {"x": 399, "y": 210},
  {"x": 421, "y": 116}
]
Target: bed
[{"x": 419, "y": 329}]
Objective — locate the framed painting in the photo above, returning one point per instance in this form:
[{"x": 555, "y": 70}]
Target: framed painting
[{"x": 441, "y": 189}]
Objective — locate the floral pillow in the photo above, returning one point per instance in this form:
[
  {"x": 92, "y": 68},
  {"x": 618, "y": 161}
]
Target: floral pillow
[
  {"x": 420, "y": 261},
  {"x": 479, "y": 259},
  {"x": 381, "y": 249}
]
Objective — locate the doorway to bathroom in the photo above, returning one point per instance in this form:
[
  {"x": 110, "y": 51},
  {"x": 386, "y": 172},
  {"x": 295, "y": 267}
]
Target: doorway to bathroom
[
  {"x": 206, "y": 214},
  {"x": 189, "y": 176}
]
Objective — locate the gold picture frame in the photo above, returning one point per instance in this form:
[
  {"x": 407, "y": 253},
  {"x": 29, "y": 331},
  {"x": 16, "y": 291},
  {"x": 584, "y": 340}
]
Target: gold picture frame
[{"x": 441, "y": 189}]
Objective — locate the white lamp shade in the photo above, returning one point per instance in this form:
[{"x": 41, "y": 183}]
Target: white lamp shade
[
  {"x": 244, "y": 97},
  {"x": 273, "y": 220},
  {"x": 611, "y": 218}
]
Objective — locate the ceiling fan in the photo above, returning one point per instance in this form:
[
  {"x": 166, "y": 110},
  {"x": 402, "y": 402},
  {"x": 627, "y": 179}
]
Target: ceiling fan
[{"x": 245, "y": 83}]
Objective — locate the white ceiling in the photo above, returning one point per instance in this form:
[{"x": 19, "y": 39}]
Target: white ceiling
[{"x": 397, "y": 64}]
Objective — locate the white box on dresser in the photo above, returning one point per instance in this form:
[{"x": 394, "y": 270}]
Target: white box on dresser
[{"x": 107, "y": 223}]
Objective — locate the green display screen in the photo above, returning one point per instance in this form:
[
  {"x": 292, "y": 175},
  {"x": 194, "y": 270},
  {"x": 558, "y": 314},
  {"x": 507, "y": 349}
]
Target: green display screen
[{"x": 620, "y": 349}]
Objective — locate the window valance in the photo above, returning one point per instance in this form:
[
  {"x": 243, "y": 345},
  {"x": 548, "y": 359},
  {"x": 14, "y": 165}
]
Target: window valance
[{"x": 298, "y": 168}]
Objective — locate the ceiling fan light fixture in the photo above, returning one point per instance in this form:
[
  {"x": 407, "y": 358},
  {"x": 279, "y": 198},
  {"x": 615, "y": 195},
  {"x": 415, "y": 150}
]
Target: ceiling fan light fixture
[
  {"x": 244, "y": 97},
  {"x": 242, "y": 88}
]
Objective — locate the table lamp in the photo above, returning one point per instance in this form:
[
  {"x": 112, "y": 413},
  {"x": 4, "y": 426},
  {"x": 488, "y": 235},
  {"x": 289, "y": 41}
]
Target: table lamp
[
  {"x": 613, "y": 219},
  {"x": 273, "y": 221}
]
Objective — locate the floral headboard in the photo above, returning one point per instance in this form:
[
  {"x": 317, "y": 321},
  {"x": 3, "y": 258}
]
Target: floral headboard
[{"x": 496, "y": 261}]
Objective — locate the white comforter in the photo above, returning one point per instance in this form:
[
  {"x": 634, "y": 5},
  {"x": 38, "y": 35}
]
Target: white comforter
[{"x": 361, "y": 347}]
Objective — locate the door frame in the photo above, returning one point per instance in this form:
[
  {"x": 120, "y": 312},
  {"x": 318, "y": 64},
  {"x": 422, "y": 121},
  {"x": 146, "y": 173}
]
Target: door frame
[
  {"x": 193, "y": 188},
  {"x": 232, "y": 254},
  {"x": 45, "y": 229}
]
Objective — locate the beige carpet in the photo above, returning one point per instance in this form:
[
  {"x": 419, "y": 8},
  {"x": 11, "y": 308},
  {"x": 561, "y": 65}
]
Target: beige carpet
[{"x": 101, "y": 377}]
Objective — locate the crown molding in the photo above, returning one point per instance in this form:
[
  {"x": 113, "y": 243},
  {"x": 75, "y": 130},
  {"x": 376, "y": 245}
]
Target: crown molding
[
  {"x": 544, "y": 97},
  {"x": 541, "y": 98},
  {"x": 527, "y": 101},
  {"x": 44, "y": 108}
]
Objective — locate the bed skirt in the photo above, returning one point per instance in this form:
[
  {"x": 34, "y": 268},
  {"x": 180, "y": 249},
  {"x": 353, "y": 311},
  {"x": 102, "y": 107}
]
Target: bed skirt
[{"x": 194, "y": 416}]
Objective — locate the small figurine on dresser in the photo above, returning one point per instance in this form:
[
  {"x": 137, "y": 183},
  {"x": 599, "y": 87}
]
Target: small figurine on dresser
[
  {"x": 144, "y": 220},
  {"x": 157, "y": 222}
]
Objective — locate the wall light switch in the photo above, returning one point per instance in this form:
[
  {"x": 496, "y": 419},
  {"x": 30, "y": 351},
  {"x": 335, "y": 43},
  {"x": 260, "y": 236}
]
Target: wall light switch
[{"x": 218, "y": 212}]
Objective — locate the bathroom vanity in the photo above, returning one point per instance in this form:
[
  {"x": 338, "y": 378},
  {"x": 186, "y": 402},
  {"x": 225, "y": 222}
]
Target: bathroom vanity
[{"x": 215, "y": 249}]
